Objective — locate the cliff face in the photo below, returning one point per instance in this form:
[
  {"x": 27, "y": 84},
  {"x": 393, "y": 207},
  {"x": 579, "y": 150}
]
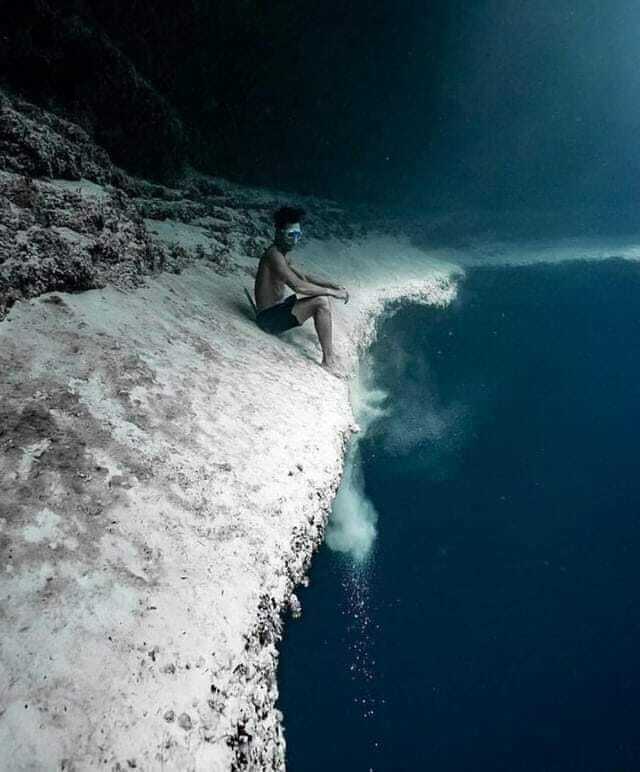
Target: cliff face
[{"x": 167, "y": 469}]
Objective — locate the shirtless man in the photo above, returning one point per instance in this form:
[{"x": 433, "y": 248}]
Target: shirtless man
[{"x": 276, "y": 315}]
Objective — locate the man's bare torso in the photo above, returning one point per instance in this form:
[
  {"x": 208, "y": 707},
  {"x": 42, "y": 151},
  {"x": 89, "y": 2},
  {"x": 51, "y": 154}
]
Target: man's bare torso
[{"x": 269, "y": 289}]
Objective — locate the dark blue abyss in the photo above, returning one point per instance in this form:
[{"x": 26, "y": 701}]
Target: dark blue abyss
[{"x": 496, "y": 624}]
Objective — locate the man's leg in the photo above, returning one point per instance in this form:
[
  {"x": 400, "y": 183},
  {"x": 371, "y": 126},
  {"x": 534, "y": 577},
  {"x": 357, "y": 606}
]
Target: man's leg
[{"x": 320, "y": 309}]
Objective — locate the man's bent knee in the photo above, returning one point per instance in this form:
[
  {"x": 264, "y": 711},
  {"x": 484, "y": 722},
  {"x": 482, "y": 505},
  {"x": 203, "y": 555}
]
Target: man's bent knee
[{"x": 309, "y": 307}]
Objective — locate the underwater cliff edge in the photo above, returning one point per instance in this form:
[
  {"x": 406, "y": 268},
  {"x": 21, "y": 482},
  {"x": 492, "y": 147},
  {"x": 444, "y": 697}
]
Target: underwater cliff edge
[{"x": 167, "y": 469}]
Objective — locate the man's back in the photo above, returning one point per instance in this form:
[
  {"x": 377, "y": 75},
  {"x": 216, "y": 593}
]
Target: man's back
[{"x": 269, "y": 289}]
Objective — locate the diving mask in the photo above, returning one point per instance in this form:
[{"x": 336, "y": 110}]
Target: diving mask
[{"x": 293, "y": 233}]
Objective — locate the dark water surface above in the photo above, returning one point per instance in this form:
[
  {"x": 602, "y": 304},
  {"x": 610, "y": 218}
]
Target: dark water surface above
[{"x": 496, "y": 624}]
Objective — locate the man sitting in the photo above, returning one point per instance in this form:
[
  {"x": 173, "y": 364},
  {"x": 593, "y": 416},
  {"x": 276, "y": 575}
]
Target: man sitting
[{"x": 276, "y": 315}]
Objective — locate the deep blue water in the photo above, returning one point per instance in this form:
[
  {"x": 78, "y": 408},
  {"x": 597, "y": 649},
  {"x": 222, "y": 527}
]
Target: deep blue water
[{"x": 496, "y": 624}]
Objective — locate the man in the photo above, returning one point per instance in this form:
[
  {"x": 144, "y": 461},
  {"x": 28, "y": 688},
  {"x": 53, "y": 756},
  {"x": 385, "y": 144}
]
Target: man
[{"x": 276, "y": 315}]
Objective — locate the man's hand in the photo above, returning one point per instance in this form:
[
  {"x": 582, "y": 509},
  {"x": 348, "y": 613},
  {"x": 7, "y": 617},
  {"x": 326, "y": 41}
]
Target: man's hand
[{"x": 338, "y": 292}]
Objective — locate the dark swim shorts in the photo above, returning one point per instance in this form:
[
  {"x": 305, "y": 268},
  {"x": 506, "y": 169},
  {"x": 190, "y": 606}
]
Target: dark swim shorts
[{"x": 278, "y": 318}]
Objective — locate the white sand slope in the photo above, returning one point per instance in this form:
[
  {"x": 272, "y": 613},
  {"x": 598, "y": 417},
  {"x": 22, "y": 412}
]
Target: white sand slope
[{"x": 167, "y": 471}]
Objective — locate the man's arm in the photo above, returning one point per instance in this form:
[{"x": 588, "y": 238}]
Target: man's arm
[
  {"x": 313, "y": 280},
  {"x": 296, "y": 281}
]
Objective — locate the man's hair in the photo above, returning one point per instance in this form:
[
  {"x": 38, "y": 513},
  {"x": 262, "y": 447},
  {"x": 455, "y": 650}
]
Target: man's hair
[{"x": 287, "y": 215}]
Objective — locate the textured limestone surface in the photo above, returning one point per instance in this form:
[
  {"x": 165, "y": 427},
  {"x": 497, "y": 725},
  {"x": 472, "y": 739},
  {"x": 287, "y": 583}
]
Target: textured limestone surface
[{"x": 166, "y": 469}]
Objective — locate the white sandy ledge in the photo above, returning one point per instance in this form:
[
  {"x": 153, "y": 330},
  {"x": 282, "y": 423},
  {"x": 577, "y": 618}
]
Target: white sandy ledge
[{"x": 157, "y": 583}]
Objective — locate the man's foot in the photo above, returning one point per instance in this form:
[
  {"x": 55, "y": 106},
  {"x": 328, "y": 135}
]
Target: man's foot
[{"x": 334, "y": 366}]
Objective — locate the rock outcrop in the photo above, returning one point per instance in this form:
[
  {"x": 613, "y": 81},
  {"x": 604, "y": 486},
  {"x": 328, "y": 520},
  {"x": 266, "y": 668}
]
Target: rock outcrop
[{"x": 70, "y": 220}]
